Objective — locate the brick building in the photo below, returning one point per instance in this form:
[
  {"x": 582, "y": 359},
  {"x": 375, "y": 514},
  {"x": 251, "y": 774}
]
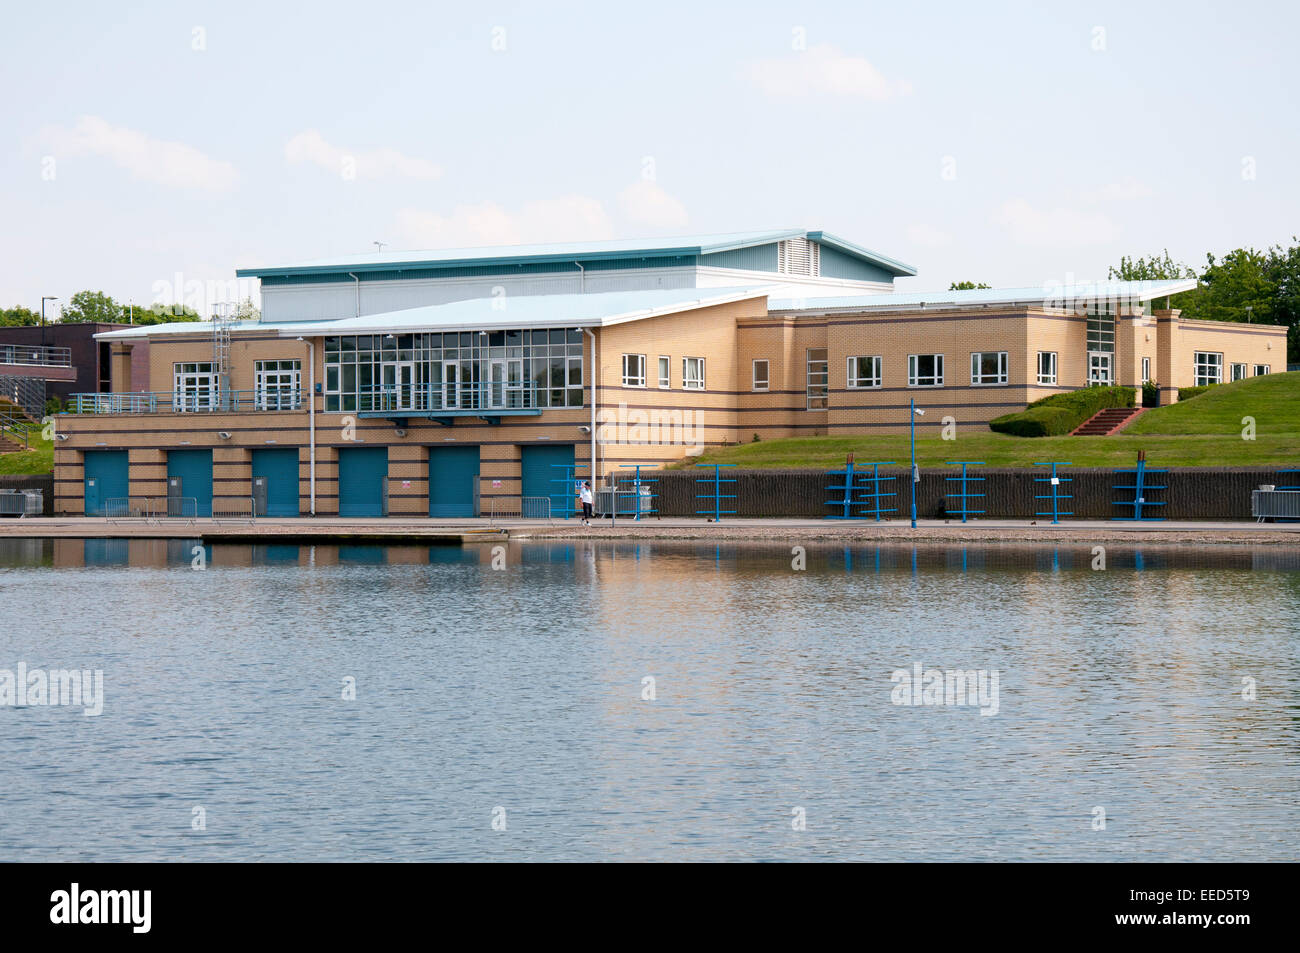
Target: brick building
[{"x": 503, "y": 376}]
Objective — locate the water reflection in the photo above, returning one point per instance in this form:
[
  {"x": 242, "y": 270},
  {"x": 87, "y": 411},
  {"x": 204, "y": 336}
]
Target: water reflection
[
  {"x": 523, "y": 687},
  {"x": 886, "y": 557}
]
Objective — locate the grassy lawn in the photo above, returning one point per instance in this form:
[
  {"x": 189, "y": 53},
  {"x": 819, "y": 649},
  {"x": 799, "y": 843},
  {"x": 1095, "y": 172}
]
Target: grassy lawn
[
  {"x": 40, "y": 459},
  {"x": 1203, "y": 432},
  {"x": 1273, "y": 400}
]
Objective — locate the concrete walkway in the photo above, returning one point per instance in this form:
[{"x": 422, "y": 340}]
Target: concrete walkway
[{"x": 402, "y": 529}]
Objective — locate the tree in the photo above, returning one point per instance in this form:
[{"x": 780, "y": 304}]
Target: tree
[
  {"x": 967, "y": 286},
  {"x": 1238, "y": 288},
  {"x": 247, "y": 311},
  {"x": 19, "y": 317},
  {"x": 1150, "y": 269},
  {"x": 158, "y": 313},
  {"x": 92, "y": 306}
]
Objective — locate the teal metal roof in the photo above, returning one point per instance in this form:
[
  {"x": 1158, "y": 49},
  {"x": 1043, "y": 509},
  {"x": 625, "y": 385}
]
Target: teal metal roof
[
  {"x": 567, "y": 253},
  {"x": 1042, "y": 294},
  {"x": 485, "y": 314}
]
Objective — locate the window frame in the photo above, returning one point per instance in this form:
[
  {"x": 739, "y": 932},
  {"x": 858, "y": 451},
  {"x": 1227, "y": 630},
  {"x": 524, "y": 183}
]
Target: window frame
[
  {"x": 687, "y": 378},
  {"x": 855, "y": 382},
  {"x": 1047, "y": 380},
  {"x": 1146, "y": 370},
  {"x": 187, "y": 393},
  {"x": 1258, "y": 373},
  {"x": 1001, "y": 377},
  {"x": 1200, "y": 379},
  {"x": 631, "y": 380},
  {"x": 1233, "y": 368},
  {"x": 263, "y": 389},
  {"x": 665, "y": 369},
  {"x": 913, "y": 366},
  {"x": 811, "y": 397},
  {"x": 753, "y": 375}
]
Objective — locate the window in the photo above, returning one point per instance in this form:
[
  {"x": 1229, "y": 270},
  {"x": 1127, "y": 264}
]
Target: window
[
  {"x": 1261, "y": 369},
  {"x": 1146, "y": 369},
  {"x": 1238, "y": 372},
  {"x": 925, "y": 370},
  {"x": 693, "y": 373},
  {"x": 817, "y": 388},
  {"x": 665, "y": 379},
  {"x": 634, "y": 370},
  {"x": 194, "y": 386},
  {"x": 798, "y": 256},
  {"x": 865, "y": 371},
  {"x": 760, "y": 375},
  {"x": 988, "y": 367},
  {"x": 1208, "y": 368},
  {"x": 278, "y": 385},
  {"x": 1047, "y": 367},
  {"x": 435, "y": 370}
]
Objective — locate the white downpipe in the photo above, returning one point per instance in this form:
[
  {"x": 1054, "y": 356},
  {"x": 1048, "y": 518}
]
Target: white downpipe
[
  {"x": 595, "y": 375},
  {"x": 358, "y": 281},
  {"x": 311, "y": 420},
  {"x": 582, "y": 278}
]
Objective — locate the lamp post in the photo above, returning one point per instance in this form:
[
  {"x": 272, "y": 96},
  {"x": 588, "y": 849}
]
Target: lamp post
[
  {"x": 43, "y": 300},
  {"x": 916, "y": 477}
]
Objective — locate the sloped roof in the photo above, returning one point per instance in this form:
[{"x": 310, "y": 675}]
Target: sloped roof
[{"x": 568, "y": 252}]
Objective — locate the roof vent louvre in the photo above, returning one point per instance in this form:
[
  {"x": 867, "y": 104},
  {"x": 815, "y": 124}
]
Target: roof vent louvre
[{"x": 798, "y": 256}]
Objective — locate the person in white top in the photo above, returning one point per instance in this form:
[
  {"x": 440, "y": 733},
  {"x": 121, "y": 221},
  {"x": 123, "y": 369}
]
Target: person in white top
[{"x": 584, "y": 495}]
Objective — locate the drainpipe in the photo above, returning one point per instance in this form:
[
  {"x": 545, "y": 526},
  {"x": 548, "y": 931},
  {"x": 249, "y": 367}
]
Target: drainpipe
[
  {"x": 358, "y": 281},
  {"x": 311, "y": 419},
  {"x": 595, "y": 364},
  {"x": 582, "y": 278}
]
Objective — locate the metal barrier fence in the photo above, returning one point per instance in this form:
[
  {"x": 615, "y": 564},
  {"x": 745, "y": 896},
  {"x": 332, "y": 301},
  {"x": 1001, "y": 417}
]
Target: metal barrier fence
[
  {"x": 1275, "y": 504},
  {"x": 151, "y": 509},
  {"x": 519, "y": 507},
  {"x": 235, "y": 511},
  {"x": 21, "y": 503}
]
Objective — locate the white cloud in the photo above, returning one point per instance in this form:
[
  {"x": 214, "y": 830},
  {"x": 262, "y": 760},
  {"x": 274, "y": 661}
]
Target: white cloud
[
  {"x": 1058, "y": 226},
  {"x": 1126, "y": 190},
  {"x": 928, "y": 236},
  {"x": 310, "y": 146},
  {"x": 167, "y": 163},
  {"x": 824, "y": 70},
  {"x": 566, "y": 218},
  {"x": 646, "y": 203}
]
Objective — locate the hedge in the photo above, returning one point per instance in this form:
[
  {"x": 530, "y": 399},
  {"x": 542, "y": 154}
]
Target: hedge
[
  {"x": 1062, "y": 413},
  {"x": 1187, "y": 393}
]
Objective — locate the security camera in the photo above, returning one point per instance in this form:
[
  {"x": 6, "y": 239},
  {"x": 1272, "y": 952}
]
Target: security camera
[
  {"x": 920, "y": 412},
  {"x": 584, "y": 430},
  {"x": 61, "y": 436},
  {"x": 399, "y": 431},
  {"x": 223, "y": 434}
]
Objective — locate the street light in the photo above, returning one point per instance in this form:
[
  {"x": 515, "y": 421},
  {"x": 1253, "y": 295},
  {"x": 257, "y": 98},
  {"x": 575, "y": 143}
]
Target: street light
[
  {"x": 916, "y": 476},
  {"x": 43, "y": 300}
]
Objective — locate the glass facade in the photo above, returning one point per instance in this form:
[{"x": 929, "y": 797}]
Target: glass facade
[{"x": 464, "y": 370}]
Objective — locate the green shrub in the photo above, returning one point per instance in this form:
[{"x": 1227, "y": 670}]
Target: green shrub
[
  {"x": 1187, "y": 393},
  {"x": 1062, "y": 413},
  {"x": 1150, "y": 394}
]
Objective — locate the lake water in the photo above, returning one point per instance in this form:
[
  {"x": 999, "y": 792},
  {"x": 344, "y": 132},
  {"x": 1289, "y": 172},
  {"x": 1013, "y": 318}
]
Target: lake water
[{"x": 518, "y": 695}]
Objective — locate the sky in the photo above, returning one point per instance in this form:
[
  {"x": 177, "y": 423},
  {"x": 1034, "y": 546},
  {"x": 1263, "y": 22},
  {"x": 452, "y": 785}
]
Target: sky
[{"x": 150, "y": 149}]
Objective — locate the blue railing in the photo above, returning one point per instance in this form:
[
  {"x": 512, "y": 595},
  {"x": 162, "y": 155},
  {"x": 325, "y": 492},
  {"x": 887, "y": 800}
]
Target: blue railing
[
  {"x": 35, "y": 355},
  {"x": 431, "y": 398},
  {"x": 189, "y": 402}
]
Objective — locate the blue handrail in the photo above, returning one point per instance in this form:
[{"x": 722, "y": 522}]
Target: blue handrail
[
  {"x": 1054, "y": 481},
  {"x": 963, "y": 495},
  {"x": 717, "y": 496}
]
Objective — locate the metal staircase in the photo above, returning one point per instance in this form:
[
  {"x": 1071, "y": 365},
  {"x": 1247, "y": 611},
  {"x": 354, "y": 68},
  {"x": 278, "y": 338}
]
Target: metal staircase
[{"x": 27, "y": 392}]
